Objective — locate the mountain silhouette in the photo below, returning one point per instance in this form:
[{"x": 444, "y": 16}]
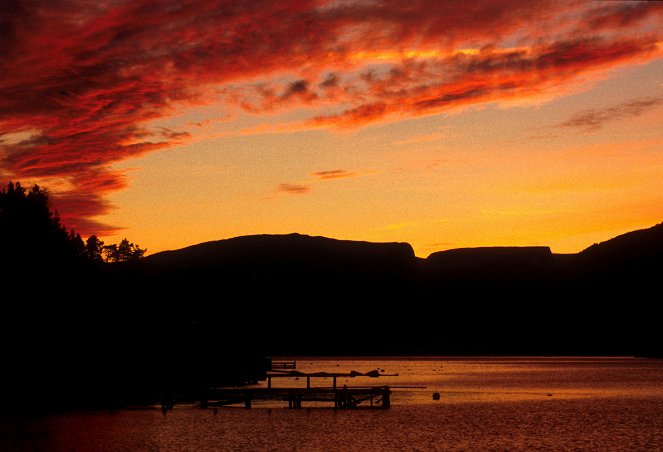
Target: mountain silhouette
[
  {"x": 315, "y": 295},
  {"x": 315, "y": 253},
  {"x": 636, "y": 252}
]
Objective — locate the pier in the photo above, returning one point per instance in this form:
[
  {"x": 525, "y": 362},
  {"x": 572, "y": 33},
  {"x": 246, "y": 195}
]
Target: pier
[{"x": 338, "y": 397}]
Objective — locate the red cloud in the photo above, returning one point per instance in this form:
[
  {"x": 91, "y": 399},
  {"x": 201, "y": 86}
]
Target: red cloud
[
  {"x": 87, "y": 77},
  {"x": 81, "y": 208},
  {"x": 440, "y": 84},
  {"x": 622, "y": 15}
]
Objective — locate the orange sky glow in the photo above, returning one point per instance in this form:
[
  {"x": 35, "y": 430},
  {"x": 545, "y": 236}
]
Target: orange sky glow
[{"x": 441, "y": 124}]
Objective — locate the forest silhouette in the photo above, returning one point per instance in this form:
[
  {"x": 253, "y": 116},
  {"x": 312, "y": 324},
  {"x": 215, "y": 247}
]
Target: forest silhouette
[
  {"x": 90, "y": 324},
  {"x": 33, "y": 233}
]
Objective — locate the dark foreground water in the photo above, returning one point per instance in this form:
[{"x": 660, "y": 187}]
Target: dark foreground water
[{"x": 486, "y": 404}]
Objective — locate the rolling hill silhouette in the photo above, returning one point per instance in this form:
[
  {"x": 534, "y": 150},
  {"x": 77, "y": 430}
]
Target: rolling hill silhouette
[
  {"x": 313, "y": 254},
  {"x": 636, "y": 252},
  {"x": 314, "y": 295},
  {"x": 633, "y": 250}
]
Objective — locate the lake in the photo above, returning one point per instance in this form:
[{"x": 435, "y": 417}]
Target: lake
[{"x": 485, "y": 404}]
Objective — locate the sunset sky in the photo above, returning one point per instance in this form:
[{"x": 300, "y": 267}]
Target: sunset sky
[{"x": 444, "y": 124}]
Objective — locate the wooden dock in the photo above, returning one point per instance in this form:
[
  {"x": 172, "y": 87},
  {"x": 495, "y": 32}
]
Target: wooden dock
[
  {"x": 345, "y": 397},
  {"x": 339, "y": 398}
]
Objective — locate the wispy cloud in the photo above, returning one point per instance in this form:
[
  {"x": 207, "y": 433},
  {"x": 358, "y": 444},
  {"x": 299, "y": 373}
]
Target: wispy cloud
[
  {"x": 595, "y": 119},
  {"x": 332, "y": 174},
  {"x": 292, "y": 189},
  {"x": 314, "y": 178}
]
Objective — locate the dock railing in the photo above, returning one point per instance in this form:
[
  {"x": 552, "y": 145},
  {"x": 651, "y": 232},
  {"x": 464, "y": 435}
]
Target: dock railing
[{"x": 283, "y": 365}]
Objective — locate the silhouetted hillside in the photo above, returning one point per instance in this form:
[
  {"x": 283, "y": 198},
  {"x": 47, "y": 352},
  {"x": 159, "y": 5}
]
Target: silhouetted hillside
[
  {"x": 292, "y": 267},
  {"x": 637, "y": 254},
  {"x": 313, "y": 295},
  {"x": 292, "y": 250},
  {"x": 634, "y": 244}
]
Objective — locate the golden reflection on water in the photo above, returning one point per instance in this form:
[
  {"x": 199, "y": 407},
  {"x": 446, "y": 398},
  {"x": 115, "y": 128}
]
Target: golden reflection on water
[
  {"x": 461, "y": 380},
  {"x": 486, "y": 404}
]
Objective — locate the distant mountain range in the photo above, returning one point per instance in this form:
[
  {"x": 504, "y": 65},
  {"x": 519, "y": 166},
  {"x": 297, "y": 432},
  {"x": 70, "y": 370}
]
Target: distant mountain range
[
  {"x": 633, "y": 252},
  {"x": 315, "y": 295}
]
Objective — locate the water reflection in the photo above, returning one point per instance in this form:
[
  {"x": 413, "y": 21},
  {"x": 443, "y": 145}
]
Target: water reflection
[
  {"x": 503, "y": 379},
  {"x": 485, "y": 404}
]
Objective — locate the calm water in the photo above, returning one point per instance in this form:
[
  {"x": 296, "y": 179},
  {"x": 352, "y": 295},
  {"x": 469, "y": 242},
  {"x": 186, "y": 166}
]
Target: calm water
[{"x": 486, "y": 404}]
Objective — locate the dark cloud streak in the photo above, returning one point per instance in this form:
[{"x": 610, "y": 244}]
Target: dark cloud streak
[
  {"x": 332, "y": 174},
  {"x": 595, "y": 119},
  {"x": 293, "y": 189}
]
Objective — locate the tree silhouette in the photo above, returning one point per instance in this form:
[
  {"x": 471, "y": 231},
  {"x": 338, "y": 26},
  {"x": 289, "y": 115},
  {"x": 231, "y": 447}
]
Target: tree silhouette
[
  {"x": 77, "y": 243},
  {"x": 31, "y": 233},
  {"x": 124, "y": 252},
  {"x": 94, "y": 248}
]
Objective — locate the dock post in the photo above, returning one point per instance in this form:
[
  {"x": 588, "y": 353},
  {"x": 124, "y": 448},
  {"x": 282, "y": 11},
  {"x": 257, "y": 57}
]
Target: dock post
[
  {"x": 334, "y": 383},
  {"x": 308, "y": 382},
  {"x": 386, "y": 402},
  {"x": 269, "y": 382},
  {"x": 247, "y": 401}
]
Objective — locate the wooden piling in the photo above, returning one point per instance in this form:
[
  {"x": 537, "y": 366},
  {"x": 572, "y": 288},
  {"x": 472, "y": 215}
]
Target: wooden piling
[{"x": 386, "y": 398}]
